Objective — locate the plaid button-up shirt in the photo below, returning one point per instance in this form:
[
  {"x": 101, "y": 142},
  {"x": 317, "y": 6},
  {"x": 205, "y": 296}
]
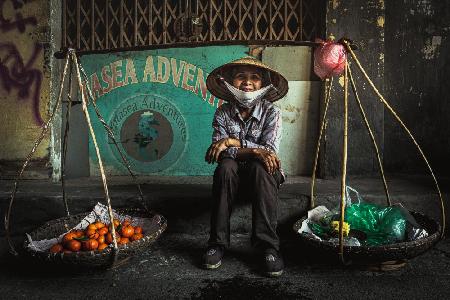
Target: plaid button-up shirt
[{"x": 261, "y": 130}]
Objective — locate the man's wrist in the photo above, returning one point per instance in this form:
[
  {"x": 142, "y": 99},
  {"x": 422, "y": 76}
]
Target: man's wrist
[
  {"x": 231, "y": 142},
  {"x": 228, "y": 142}
]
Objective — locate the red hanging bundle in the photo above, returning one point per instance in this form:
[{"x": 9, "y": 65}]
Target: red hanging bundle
[{"x": 329, "y": 59}]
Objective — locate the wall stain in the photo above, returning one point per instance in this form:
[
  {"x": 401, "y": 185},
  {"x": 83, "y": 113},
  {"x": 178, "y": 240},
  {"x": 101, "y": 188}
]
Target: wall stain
[
  {"x": 335, "y": 4},
  {"x": 380, "y": 21},
  {"x": 291, "y": 108},
  {"x": 425, "y": 7},
  {"x": 431, "y": 48},
  {"x": 341, "y": 80}
]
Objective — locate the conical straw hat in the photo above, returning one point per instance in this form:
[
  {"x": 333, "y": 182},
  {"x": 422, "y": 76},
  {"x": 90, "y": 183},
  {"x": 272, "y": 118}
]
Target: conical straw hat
[{"x": 216, "y": 86}]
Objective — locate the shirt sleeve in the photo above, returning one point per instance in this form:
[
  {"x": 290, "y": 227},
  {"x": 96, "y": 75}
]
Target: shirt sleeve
[
  {"x": 219, "y": 132},
  {"x": 270, "y": 134},
  {"x": 218, "y": 125}
]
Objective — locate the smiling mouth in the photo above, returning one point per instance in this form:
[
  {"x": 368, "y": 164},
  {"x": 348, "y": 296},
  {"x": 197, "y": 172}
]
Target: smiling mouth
[{"x": 247, "y": 89}]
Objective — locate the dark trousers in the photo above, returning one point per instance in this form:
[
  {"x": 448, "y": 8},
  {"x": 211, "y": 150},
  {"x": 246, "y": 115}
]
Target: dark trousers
[{"x": 249, "y": 180}]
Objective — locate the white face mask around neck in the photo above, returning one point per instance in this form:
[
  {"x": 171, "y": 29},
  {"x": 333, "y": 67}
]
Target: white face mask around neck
[{"x": 247, "y": 99}]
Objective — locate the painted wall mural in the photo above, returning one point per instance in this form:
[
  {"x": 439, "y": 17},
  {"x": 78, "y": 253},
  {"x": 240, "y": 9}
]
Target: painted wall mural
[{"x": 158, "y": 106}]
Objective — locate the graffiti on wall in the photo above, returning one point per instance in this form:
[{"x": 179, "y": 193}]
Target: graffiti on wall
[
  {"x": 16, "y": 73},
  {"x": 19, "y": 22}
]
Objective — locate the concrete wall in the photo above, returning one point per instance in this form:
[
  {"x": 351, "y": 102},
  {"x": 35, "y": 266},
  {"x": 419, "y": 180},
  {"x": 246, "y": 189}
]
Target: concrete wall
[
  {"x": 299, "y": 108},
  {"x": 417, "y": 68},
  {"x": 362, "y": 21},
  {"x": 404, "y": 47},
  {"x": 24, "y": 81}
]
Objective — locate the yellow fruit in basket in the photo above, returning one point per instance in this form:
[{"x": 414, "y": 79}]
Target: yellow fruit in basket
[
  {"x": 345, "y": 227},
  {"x": 56, "y": 248},
  {"x": 91, "y": 226},
  {"x": 116, "y": 222},
  {"x": 138, "y": 229},
  {"x": 126, "y": 223}
]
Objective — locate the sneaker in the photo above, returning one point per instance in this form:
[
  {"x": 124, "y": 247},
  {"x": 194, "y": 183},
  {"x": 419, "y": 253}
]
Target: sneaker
[
  {"x": 213, "y": 257},
  {"x": 273, "y": 263}
]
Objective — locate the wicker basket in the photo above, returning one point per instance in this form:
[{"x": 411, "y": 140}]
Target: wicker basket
[
  {"x": 378, "y": 254},
  {"x": 94, "y": 259}
]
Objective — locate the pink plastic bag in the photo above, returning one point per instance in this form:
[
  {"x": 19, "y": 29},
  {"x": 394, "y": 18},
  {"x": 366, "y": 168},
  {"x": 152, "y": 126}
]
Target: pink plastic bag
[{"x": 329, "y": 59}]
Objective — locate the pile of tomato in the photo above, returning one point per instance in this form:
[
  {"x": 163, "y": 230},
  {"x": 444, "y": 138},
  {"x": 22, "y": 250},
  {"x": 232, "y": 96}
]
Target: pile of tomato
[{"x": 97, "y": 236}]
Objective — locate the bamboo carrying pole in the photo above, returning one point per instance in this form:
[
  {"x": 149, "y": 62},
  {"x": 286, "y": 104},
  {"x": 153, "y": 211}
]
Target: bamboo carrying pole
[
  {"x": 30, "y": 155},
  {"x": 113, "y": 138},
  {"x": 323, "y": 128},
  {"x": 347, "y": 75},
  {"x": 344, "y": 166},
  {"x": 71, "y": 59},
  {"x": 405, "y": 128},
  {"x": 66, "y": 133},
  {"x": 97, "y": 152},
  {"x": 372, "y": 137}
]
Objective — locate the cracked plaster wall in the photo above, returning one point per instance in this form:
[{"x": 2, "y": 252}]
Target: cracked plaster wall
[{"x": 417, "y": 67}]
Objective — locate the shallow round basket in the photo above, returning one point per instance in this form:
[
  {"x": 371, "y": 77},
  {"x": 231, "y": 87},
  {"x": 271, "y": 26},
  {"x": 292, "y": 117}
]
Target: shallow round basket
[
  {"x": 378, "y": 254},
  {"x": 95, "y": 259}
]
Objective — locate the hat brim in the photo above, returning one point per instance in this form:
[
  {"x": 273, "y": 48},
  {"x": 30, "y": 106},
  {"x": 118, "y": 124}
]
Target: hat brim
[{"x": 216, "y": 86}]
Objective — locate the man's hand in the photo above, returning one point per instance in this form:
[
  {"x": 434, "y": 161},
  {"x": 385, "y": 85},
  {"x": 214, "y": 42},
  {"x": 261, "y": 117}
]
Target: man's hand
[
  {"x": 213, "y": 153},
  {"x": 269, "y": 159}
]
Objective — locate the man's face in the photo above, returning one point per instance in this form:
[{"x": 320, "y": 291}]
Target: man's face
[{"x": 247, "y": 78}]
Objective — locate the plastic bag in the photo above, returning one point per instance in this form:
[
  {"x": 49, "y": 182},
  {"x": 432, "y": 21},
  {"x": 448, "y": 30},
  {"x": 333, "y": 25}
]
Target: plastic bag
[
  {"x": 382, "y": 225},
  {"x": 370, "y": 224},
  {"x": 329, "y": 59}
]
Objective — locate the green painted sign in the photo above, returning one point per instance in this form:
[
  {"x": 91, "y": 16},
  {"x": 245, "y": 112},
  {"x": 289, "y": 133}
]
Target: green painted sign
[{"x": 158, "y": 107}]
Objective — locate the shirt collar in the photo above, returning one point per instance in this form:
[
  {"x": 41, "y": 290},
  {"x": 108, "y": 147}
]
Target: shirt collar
[{"x": 256, "y": 113}]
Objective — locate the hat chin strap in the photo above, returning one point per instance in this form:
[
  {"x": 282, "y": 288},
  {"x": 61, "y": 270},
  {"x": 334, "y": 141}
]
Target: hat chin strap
[{"x": 247, "y": 99}]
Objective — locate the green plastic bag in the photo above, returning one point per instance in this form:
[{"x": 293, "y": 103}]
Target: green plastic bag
[
  {"x": 382, "y": 225},
  {"x": 371, "y": 224}
]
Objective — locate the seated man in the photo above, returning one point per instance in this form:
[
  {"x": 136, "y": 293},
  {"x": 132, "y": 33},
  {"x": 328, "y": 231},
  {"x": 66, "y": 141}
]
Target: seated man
[{"x": 246, "y": 137}]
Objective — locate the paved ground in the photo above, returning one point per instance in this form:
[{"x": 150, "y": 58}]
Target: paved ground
[{"x": 170, "y": 268}]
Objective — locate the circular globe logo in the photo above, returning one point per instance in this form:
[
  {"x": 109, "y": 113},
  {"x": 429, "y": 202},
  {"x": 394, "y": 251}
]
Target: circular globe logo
[{"x": 151, "y": 132}]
